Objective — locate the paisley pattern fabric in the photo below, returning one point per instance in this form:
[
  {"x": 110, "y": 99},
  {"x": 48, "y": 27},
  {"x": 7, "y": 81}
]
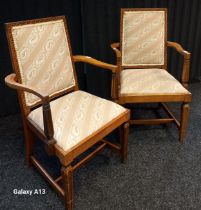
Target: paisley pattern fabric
[
  {"x": 77, "y": 115},
  {"x": 143, "y": 38},
  {"x": 43, "y": 57},
  {"x": 149, "y": 82}
]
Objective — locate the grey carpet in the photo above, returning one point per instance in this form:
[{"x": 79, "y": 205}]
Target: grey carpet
[{"x": 160, "y": 173}]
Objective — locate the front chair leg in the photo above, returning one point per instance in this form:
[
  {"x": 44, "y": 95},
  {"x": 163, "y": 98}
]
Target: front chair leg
[
  {"x": 67, "y": 177},
  {"x": 29, "y": 141},
  {"x": 124, "y": 141},
  {"x": 184, "y": 120}
]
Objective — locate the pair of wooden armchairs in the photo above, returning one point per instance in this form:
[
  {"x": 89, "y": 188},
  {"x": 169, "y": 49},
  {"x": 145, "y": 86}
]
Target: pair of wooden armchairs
[{"x": 70, "y": 121}]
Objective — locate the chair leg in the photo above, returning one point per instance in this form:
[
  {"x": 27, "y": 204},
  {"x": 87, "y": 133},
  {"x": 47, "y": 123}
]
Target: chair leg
[
  {"x": 124, "y": 141},
  {"x": 67, "y": 177},
  {"x": 184, "y": 121},
  {"x": 28, "y": 144}
]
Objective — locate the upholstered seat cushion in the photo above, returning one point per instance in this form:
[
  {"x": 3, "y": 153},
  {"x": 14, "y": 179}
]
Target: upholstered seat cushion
[
  {"x": 76, "y": 116},
  {"x": 149, "y": 82}
]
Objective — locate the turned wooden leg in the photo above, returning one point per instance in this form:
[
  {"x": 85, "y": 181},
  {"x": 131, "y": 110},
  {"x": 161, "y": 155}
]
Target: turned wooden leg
[
  {"x": 28, "y": 144},
  {"x": 67, "y": 177},
  {"x": 184, "y": 121},
  {"x": 124, "y": 141}
]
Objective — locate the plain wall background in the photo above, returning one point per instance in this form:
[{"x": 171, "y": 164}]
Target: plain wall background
[{"x": 93, "y": 26}]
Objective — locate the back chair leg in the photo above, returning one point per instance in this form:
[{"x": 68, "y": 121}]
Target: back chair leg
[
  {"x": 184, "y": 120},
  {"x": 124, "y": 141},
  {"x": 28, "y": 144},
  {"x": 67, "y": 177}
]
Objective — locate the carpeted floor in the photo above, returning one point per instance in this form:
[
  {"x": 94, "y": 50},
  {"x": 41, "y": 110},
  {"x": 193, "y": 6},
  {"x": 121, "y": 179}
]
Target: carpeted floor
[{"x": 160, "y": 173}]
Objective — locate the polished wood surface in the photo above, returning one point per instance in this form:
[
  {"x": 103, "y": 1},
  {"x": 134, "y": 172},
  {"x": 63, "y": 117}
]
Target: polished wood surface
[
  {"x": 113, "y": 68},
  {"x": 67, "y": 178},
  {"x": 47, "y": 177},
  {"x": 116, "y": 76},
  {"x": 92, "y": 61},
  {"x": 184, "y": 120},
  {"x": 124, "y": 142},
  {"x": 186, "y": 64}
]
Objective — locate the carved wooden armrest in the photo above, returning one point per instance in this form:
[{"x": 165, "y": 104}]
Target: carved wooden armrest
[
  {"x": 10, "y": 81},
  {"x": 92, "y": 61},
  {"x": 115, "y": 46},
  {"x": 113, "y": 68},
  {"x": 179, "y": 49},
  {"x": 186, "y": 65}
]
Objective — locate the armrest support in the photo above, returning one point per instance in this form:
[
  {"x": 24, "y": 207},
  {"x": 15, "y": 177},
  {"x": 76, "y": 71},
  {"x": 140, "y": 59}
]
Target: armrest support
[
  {"x": 115, "y": 46},
  {"x": 92, "y": 61},
  {"x": 10, "y": 81},
  {"x": 116, "y": 80},
  {"x": 186, "y": 64}
]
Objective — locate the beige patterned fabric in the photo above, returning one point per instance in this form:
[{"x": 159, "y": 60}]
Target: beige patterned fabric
[
  {"x": 76, "y": 116},
  {"x": 149, "y": 82},
  {"x": 43, "y": 57},
  {"x": 143, "y": 38}
]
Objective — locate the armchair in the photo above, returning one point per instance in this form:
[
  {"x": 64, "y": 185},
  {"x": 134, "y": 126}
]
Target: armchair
[
  {"x": 142, "y": 75},
  {"x": 67, "y": 120}
]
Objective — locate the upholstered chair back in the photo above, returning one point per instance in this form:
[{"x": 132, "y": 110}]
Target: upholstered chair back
[
  {"x": 42, "y": 56},
  {"x": 143, "y": 37}
]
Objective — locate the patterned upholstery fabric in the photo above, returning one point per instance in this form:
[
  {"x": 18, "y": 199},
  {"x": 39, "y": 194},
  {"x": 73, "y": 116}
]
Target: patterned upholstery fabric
[
  {"x": 143, "y": 38},
  {"x": 43, "y": 57},
  {"x": 76, "y": 116},
  {"x": 149, "y": 82}
]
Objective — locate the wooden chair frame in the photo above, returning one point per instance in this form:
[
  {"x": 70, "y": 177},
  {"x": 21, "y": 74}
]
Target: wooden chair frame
[
  {"x": 64, "y": 183},
  {"x": 161, "y": 99}
]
